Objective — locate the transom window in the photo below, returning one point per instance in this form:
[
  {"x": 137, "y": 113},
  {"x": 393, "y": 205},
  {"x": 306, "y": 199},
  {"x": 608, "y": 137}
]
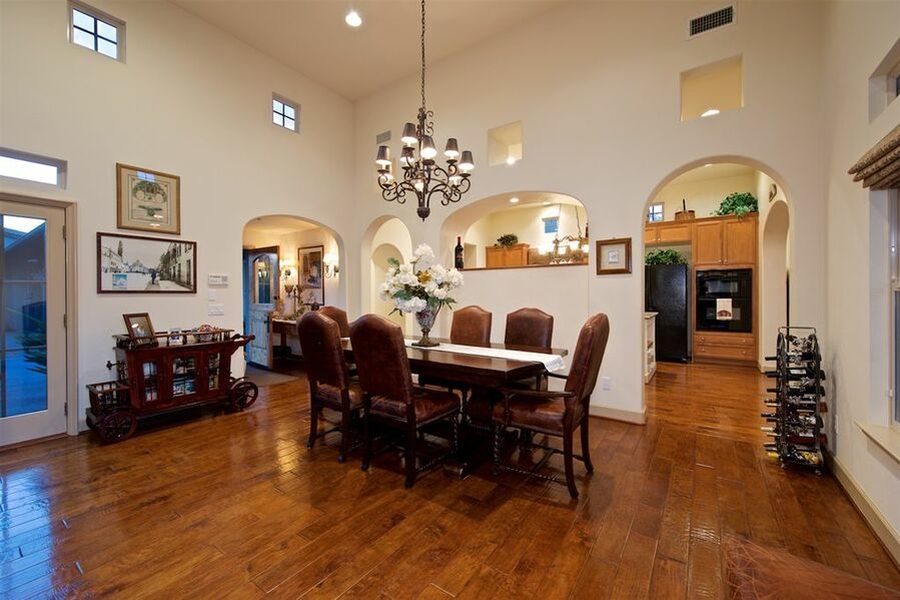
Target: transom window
[
  {"x": 31, "y": 167},
  {"x": 97, "y": 31},
  {"x": 655, "y": 213},
  {"x": 284, "y": 113}
]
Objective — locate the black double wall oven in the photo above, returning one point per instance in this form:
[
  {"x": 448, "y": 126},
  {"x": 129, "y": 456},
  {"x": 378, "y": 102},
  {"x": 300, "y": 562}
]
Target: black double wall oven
[{"x": 725, "y": 300}]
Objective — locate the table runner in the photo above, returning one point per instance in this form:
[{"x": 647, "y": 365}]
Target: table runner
[{"x": 552, "y": 362}]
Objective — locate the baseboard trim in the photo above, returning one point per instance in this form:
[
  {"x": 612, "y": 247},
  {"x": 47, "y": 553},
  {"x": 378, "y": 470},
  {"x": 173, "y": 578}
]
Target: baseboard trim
[
  {"x": 617, "y": 414},
  {"x": 883, "y": 530}
]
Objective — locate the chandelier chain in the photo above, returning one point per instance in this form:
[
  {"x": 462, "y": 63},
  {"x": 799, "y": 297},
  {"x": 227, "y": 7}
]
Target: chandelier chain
[{"x": 423, "y": 55}]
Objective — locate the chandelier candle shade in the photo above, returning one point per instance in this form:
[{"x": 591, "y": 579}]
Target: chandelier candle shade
[
  {"x": 422, "y": 176},
  {"x": 420, "y": 287}
]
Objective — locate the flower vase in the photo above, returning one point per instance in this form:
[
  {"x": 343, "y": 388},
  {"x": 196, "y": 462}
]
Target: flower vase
[{"x": 425, "y": 318}]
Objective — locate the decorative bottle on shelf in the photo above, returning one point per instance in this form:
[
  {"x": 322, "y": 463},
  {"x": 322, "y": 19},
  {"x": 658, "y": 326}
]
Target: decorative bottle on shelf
[{"x": 458, "y": 253}]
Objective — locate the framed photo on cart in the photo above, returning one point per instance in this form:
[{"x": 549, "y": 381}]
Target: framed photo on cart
[
  {"x": 128, "y": 264},
  {"x": 148, "y": 200},
  {"x": 139, "y": 327},
  {"x": 309, "y": 260},
  {"x": 614, "y": 256}
]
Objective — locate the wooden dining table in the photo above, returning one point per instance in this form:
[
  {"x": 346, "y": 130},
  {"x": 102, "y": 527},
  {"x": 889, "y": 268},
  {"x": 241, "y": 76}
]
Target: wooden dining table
[
  {"x": 469, "y": 369},
  {"x": 474, "y": 371}
]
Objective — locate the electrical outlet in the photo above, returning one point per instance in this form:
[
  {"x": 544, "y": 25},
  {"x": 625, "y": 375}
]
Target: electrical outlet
[{"x": 606, "y": 383}]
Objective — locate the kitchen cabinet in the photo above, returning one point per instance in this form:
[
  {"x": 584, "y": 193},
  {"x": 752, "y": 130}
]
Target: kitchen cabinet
[
  {"x": 725, "y": 241},
  {"x": 725, "y": 347},
  {"x": 513, "y": 256},
  {"x": 668, "y": 233}
]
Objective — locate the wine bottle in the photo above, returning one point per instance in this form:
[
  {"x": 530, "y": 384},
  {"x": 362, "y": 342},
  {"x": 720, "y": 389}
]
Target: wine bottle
[{"x": 458, "y": 253}]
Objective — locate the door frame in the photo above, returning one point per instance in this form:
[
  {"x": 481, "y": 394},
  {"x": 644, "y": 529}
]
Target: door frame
[
  {"x": 70, "y": 243},
  {"x": 247, "y": 256}
]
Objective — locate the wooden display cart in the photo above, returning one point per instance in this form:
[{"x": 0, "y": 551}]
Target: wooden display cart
[{"x": 165, "y": 373}]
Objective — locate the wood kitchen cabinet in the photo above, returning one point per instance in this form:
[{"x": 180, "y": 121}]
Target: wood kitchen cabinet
[
  {"x": 724, "y": 347},
  {"x": 725, "y": 241},
  {"x": 668, "y": 233},
  {"x": 514, "y": 256}
]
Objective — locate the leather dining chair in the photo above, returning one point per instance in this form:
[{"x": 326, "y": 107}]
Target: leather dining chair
[
  {"x": 339, "y": 316},
  {"x": 529, "y": 327},
  {"x": 471, "y": 326},
  {"x": 557, "y": 413},
  {"x": 390, "y": 398},
  {"x": 329, "y": 378}
]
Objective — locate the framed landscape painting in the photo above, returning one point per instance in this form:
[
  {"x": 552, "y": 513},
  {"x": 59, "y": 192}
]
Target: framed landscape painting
[
  {"x": 148, "y": 200},
  {"x": 131, "y": 264}
]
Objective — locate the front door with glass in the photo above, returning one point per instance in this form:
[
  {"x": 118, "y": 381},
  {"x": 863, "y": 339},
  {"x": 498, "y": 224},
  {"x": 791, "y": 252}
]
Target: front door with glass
[{"x": 32, "y": 333}]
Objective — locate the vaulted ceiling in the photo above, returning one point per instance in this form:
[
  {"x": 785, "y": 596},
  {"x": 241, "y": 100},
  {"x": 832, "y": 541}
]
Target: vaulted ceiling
[{"x": 311, "y": 36}]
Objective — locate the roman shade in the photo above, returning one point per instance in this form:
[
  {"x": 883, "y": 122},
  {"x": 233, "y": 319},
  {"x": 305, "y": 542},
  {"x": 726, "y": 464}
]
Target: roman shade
[{"x": 879, "y": 168}]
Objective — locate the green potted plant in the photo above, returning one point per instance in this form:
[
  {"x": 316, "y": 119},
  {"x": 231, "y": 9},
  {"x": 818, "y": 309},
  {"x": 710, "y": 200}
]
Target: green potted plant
[
  {"x": 664, "y": 256},
  {"x": 738, "y": 203},
  {"x": 508, "y": 240}
]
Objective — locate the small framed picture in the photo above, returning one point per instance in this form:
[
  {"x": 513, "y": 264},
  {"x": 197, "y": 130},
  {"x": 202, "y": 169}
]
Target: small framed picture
[
  {"x": 311, "y": 274},
  {"x": 148, "y": 200},
  {"x": 614, "y": 256},
  {"x": 139, "y": 327}
]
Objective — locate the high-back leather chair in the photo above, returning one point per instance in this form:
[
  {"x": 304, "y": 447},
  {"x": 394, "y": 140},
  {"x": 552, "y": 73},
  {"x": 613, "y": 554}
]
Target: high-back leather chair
[
  {"x": 471, "y": 326},
  {"x": 558, "y": 413},
  {"x": 329, "y": 378},
  {"x": 339, "y": 316},
  {"x": 390, "y": 397},
  {"x": 529, "y": 327}
]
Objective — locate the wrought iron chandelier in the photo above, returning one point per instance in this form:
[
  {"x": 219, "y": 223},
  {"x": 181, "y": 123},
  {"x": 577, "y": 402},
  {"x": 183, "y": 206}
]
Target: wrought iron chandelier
[
  {"x": 421, "y": 175},
  {"x": 570, "y": 248}
]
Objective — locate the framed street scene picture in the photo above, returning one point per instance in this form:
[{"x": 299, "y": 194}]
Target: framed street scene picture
[{"x": 132, "y": 264}]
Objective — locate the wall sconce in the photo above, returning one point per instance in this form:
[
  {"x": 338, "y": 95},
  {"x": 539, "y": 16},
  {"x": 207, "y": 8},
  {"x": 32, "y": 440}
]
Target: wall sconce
[
  {"x": 287, "y": 267},
  {"x": 332, "y": 267}
]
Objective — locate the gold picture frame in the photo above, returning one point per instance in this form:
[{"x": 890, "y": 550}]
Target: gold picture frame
[
  {"x": 614, "y": 256},
  {"x": 148, "y": 200}
]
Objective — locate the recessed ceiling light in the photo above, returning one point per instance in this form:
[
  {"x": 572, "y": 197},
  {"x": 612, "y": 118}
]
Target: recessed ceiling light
[
  {"x": 710, "y": 112},
  {"x": 511, "y": 160},
  {"x": 513, "y": 200},
  {"x": 545, "y": 203},
  {"x": 708, "y": 165},
  {"x": 353, "y": 19}
]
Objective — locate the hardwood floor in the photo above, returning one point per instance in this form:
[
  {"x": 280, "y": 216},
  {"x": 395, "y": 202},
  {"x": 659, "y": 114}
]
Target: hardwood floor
[{"x": 235, "y": 506}]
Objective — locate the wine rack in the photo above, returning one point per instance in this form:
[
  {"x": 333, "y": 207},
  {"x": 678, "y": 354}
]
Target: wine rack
[{"x": 795, "y": 413}]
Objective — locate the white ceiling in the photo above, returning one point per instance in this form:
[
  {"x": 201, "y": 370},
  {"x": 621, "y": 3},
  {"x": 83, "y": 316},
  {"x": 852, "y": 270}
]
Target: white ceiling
[{"x": 311, "y": 37}]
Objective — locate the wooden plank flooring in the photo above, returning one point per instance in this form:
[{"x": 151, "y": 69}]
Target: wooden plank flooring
[{"x": 235, "y": 506}]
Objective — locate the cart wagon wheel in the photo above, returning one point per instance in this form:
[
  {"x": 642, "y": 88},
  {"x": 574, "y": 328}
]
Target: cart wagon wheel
[
  {"x": 243, "y": 394},
  {"x": 116, "y": 426}
]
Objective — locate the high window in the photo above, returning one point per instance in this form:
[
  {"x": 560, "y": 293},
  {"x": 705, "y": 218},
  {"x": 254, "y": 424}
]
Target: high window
[
  {"x": 284, "y": 113},
  {"x": 655, "y": 212},
  {"x": 97, "y": 31},
  {"x": 31, "y": 167}
]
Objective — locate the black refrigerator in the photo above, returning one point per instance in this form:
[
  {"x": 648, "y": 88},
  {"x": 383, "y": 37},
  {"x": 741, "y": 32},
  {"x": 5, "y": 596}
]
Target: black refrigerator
[{"x": 667, "y": 292}]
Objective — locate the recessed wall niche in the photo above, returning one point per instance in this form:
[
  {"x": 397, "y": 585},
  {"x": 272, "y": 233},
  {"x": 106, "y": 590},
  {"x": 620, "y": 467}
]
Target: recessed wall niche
[
  {"x": 712, "y": 89},
  {"x": 505, "y": 144}
]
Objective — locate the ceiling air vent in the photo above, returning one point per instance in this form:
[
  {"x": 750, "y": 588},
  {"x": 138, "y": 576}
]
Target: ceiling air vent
[
  {"x": 383, "y": 138},
  {"x": 713, "y": 20}
]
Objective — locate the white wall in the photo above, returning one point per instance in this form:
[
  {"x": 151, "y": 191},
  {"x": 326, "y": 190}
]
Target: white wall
[
  {"x": 189, "y": 101},
  {"x": 703, "y": 197},
  {"x": 599, "y": 104},
  {"x": 857, "y": 349}
]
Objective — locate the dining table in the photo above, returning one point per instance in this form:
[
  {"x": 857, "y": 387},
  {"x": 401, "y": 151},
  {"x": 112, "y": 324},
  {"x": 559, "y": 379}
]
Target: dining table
[{"x": 491, "y": 367}]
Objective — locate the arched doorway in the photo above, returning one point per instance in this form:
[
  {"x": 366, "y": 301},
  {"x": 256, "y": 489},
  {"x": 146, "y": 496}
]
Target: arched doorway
[
  {"x": 694, "y": 192},
  {"x": 284, "y": 274}
]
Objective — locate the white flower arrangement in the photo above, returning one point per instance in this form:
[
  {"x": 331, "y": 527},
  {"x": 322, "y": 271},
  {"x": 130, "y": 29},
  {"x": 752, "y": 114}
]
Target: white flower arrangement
[{"x": 420, "y": 284}]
